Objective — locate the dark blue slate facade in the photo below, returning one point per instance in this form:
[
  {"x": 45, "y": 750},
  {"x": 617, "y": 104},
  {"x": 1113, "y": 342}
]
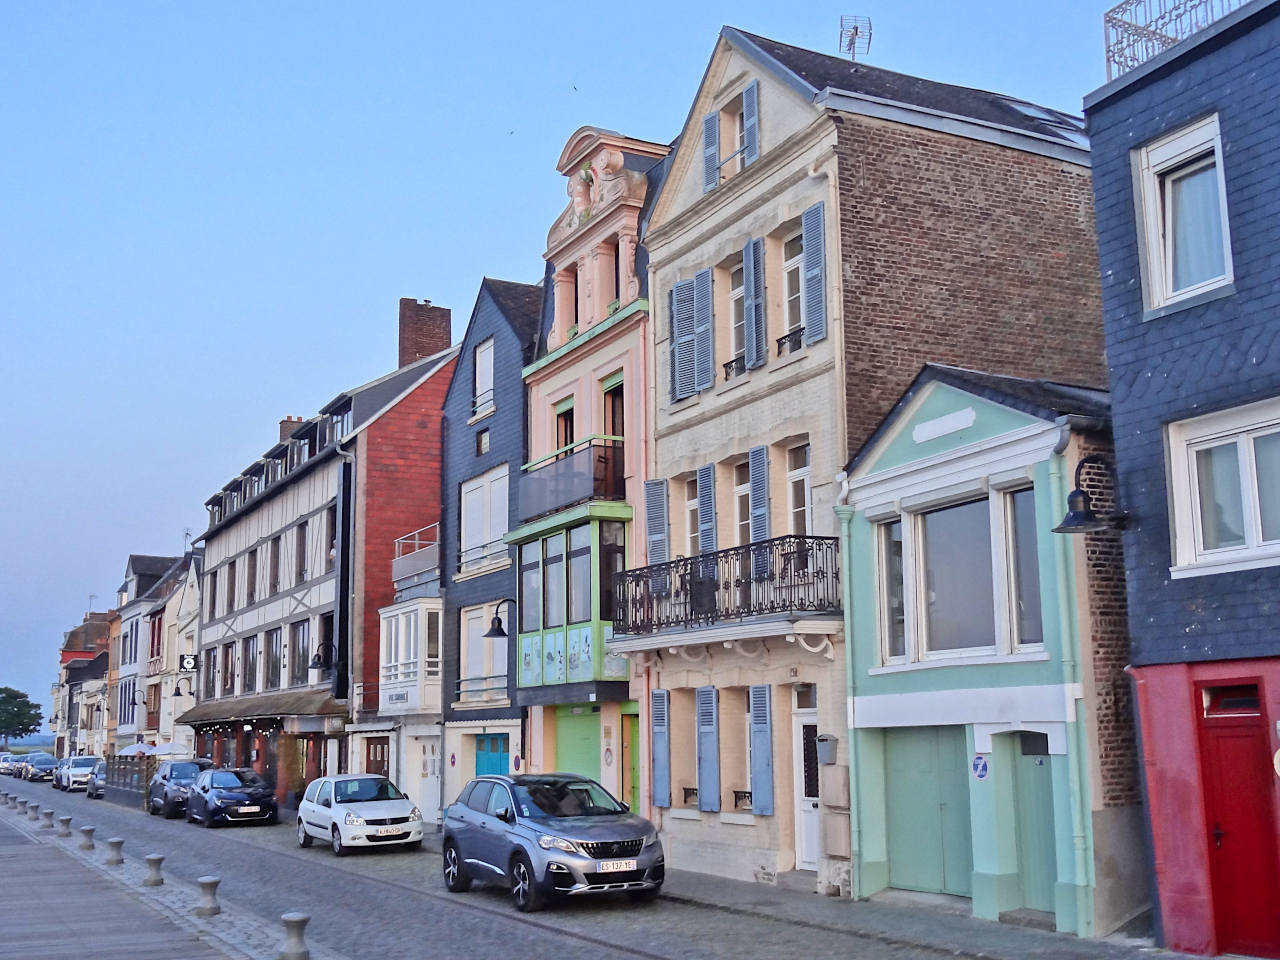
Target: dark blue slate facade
[
  {"x": 510, "y": 313},
  {"x": 1213, "y": 356}
]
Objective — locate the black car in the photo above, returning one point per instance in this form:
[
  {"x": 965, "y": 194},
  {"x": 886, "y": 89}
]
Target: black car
[
  {"x": 230, "y": 796},
  {"x": 40, "y": 766},
  {"x": 171, "y": 783}
]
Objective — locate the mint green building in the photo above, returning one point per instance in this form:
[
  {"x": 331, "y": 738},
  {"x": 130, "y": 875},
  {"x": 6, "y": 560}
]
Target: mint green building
[{"x": 992, "y": 748}]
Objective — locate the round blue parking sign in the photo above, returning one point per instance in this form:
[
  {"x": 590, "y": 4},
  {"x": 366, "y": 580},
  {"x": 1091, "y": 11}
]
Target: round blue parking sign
[{"x": 979, "y": 767}]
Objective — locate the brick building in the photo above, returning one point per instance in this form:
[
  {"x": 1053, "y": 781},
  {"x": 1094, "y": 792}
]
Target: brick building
[
  {"x": 826, "y": 228},
  {"x": 1184, "y": 176}
]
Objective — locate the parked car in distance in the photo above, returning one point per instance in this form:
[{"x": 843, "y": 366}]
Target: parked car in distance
[
  {"x": 357, "y": 810},
  {"x": 171, "y": 784},
  {"x": 74, "y": 773},
  {"x": 39, "y": 766},
  {"x": 230, "y": 796},
  {"x": 546, "y": 835},
  {"x": 96, "y": 786},
  {"x": 6, "y": 761},
  {"x": 56, "y": 780}
]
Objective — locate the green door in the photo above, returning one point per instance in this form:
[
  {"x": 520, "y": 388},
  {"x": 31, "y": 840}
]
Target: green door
[
  {"x": 927, "y": 794},
  {"x": 578, "y": 740},
  {"x": 1037, "y": 853}
]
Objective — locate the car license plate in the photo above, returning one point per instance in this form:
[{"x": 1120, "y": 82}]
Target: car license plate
[
  {"x": 388, "y": 831},
  {"x": 253, "y": 809},
  {"x": 616, "y": 866}
]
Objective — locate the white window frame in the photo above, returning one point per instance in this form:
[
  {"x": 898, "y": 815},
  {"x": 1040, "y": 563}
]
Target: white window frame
[
  {"x": 1156, "y": 162},
  {"x": 1005, "y": 642},
  {"x": 487, "y": 545},
  {"x": 800, "y": 473},
  {"x": 737, "y": 312},
  {"x": 742, "y": 505},
  {"x": 482, "y": 378},
  {"x": 493, "y": 666},
  {"x": 691, "y": 514},
  {"x": 1184, "y": 439},
  {"x": 790, "y": 292}
]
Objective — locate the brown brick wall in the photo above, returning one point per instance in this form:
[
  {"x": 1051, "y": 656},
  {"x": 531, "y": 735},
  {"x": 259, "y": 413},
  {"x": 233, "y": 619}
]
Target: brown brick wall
[
  {"x": 1108, "y": 638},
  {"x": 424, "y": 330},
  {"x": 400, "y": 492},
  {"x": 960, "y": 252}
]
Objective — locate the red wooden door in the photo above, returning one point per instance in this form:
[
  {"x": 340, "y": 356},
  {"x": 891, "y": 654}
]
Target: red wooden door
[
  {"x": 1242, "y": 836},
  {"x": 375, "y": 755}
]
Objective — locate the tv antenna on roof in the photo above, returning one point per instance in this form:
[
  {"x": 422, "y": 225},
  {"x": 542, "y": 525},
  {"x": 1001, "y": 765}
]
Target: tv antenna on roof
[{"x": 855, "y": 36}]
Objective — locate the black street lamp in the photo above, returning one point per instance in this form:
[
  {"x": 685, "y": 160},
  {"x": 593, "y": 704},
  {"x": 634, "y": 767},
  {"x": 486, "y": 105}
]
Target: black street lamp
[
  {"x": 1080, "y": 517},
  {"x": 495, "y": 631}
]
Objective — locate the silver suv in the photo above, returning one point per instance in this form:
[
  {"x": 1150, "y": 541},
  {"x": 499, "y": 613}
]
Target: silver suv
[{"x": 545, "y": 835}]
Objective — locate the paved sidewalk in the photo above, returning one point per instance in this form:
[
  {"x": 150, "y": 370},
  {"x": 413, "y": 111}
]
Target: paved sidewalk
[{"x": 57, "y": 901}]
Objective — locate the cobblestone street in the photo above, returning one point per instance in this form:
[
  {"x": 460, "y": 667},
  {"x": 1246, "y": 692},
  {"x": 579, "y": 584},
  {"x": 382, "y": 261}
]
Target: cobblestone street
[{"x": 390, "y": 904}]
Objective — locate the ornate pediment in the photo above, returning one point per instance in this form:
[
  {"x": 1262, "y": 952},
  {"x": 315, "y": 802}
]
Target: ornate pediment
[{"x": 596, "y": 185}]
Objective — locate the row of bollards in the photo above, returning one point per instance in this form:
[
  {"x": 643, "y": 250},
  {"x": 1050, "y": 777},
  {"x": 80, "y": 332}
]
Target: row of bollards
[{"x": 295, "y": 924}]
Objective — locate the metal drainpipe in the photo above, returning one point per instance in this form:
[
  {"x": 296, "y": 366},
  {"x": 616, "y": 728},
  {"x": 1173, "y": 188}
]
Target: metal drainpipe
[
  {"x": 1064, "y": 550},
  {"x": 845, "y": 514}
]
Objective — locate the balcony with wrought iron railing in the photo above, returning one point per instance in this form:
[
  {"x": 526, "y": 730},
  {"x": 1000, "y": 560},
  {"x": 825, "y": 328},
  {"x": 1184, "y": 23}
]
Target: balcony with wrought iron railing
[
  {"x": 417, "y": 554},
  {"x": 793, "y": 575},
  {"x": 1138, "y": 30},
  {"x": 590, "y": 469},
  {"x": 155, "y": 666}
]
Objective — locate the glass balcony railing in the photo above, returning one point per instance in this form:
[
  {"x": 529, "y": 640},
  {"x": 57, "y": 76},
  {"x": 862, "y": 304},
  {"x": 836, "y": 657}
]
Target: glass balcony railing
[
  {"x": 592, "y": 469},
  {"x": 417, "y": 553},
  {"x": 785, "y": 575}
]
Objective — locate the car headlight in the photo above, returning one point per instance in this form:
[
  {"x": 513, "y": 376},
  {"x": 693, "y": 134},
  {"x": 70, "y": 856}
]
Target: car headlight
[
  {"x": 351, "y": 820},
  {"x": 415, "y": 814},
  {"x": 548, "y": 842},
  {"x": 181, "y": 791},
  {"x": 651, "y": 839}
]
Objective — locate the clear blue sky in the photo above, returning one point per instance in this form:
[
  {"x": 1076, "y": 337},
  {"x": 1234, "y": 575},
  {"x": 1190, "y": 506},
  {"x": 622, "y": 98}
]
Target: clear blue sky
[{"x": 208, "y": 213}]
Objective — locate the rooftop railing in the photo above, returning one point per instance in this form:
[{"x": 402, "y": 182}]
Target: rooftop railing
[{"x": 1138, "y": 30}]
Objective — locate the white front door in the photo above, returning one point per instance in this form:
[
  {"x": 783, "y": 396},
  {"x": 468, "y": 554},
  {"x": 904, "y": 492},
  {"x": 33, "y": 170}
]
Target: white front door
[
  {"x": 805, "y": 778},
  {"x": 425, "y": 756}
]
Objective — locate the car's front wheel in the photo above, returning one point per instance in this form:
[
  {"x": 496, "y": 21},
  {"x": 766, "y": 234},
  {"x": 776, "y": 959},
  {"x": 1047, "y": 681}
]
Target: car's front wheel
[
  {"x": 304, "y": 838},
  {"x": 524, "y": 887},
  {"x": 339, "y": 848},
  {"x": 153, "y": 807},
  {"x": 455, "y": 874}
]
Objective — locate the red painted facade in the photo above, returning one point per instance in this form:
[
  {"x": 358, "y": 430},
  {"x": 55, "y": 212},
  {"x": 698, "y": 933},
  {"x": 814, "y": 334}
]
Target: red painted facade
[
  {"x": 397, "y": 492},
  {"x": 1213, "y": 804}
]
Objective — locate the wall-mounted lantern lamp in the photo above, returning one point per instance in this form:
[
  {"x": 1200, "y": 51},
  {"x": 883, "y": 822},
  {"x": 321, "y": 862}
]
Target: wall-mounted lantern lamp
[
  {"x": 1080, "y": 517},
  {"x": 495, "y": 631}
]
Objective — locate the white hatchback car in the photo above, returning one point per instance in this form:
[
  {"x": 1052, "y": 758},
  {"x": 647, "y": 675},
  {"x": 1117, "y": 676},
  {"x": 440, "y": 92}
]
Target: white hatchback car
[{"x": 357, "y": 810}]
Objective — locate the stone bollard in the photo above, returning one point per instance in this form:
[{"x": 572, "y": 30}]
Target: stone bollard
[
  {"x": 4, "y": 796},
  {"x": 295, "y": 947},
  {"x": 208, "y": 897},
  {"x": 86, "y": 838},
  {"x": 13, "y": 801},
  {"x": 33, "y": 811},
  {"x": 116, "y": 856},
  {"x": 22, "y": 807},
  {"x": 64, "y": 826},
  {"x": 46, "y": 819},
  {"x": 153, "y": 878}
]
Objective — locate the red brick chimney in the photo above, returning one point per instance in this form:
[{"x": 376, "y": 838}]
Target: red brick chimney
[
  {"x": 287, "y": 426},
  {"x": 424, "y": 329}
]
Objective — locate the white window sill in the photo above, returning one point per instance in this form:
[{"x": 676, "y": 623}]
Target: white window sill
[
  {"x": 740, "y": 819},
  {"x": 480, "y": 704},
  {"x": 795, "y": 356},
  {"x": 481, "y": 415},
  {"x": 482, "y": 570},
  {"x": 737, "y": 381},
  {"x": 1208, "y": 567},
  {"x": 1037, "y": 656},
  {"x": 684, "y": 813},
  {"x": 1223, "y": 288}
]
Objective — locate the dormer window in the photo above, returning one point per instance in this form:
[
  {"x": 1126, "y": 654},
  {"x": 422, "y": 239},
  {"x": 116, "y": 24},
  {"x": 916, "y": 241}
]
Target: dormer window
[{"x": 731, "y": 137}]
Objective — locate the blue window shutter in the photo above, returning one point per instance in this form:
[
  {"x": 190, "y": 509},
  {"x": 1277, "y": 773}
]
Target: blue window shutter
[
  {"x": 758, "y": 504},
  {"x": 682, "y": 351},
  {"x": 703, "y": 359},
  {"x": 761, "y": 750},
  {"x": 660, "y": 746},
  {"x": 671, "y": 340},
  {"x": 707, "y": 509},
  {"x": 710, "y": 151},
  {"x": 753, "y": 302},
  {"x": 815, "y": 270},
  {"x": 707, "y": 708},
  {"x": 656, "y": 529},
  {"x": 751, "y": 124}
]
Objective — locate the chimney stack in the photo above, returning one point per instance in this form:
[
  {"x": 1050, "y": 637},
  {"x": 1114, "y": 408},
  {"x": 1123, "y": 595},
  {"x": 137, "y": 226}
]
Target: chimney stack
[
  {"x": 287, "y": 426},
  {"x": 424, "y": 330}
]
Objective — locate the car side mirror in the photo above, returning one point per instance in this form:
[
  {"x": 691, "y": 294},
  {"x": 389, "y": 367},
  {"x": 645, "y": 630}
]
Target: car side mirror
[
  {"x": 625, "y": 806},
  {"x": 504, "y": 814},
  {"x": 325, "y": 802}
]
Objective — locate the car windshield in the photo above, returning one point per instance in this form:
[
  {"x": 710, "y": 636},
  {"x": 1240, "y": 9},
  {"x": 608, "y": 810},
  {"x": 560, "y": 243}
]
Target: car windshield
[
  {"x": 366, "y": 789},
  {"x": 100, "y": 767},
  {"x": 184, "y": 771},
  {"x": 565, "y": 798},
  {"x": 83, "y": 763},
  {"x": 234, "y": 779}
]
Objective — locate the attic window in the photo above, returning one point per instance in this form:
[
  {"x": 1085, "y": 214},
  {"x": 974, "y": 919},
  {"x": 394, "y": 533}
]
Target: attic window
[{"x": 731, "y": 137}]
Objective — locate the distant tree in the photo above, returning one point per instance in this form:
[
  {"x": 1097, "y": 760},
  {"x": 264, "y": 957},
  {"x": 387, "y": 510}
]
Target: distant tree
[{"x": 18, "y": 715}]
